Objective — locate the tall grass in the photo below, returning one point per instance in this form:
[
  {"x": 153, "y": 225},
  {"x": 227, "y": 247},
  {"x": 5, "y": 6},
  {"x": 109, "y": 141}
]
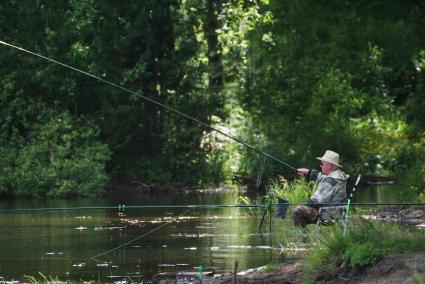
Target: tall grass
[
  {"x": 246, "y": 200},
  {"x": 363, "y": 244},
  {"x": 54, "y": 280},
  {"x": 297, "y": 191}
]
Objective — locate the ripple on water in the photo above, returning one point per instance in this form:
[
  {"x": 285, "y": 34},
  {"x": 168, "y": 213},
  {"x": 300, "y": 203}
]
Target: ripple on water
[
  {"x": 81, "y": 228},
  {"x": 264, "y": 247},
  {"x": 185, "y": 235},
  {"x": 240, "y": 247},
  {"x": 105, "y": 264},
  {"x": 191, "y": 248},
  {"x": 79, "y": 265},
  {"x": 166, "y": 265}
]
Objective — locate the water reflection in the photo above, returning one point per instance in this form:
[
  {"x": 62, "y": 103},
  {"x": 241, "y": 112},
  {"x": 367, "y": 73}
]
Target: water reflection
[
  {"x": 379, "y": 193},
  {"x": 63, "y": 243}
]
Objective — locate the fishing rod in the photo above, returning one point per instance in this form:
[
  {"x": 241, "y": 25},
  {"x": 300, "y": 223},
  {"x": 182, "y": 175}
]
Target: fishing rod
[
  {"x": 122, "y": 207},
  {"x": 351, "y": 195},
  {"x": 151, "y": 101}
]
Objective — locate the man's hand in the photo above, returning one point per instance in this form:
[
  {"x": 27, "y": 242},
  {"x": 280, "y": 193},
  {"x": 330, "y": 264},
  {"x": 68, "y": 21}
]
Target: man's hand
[{"x": 303, "y": 171}]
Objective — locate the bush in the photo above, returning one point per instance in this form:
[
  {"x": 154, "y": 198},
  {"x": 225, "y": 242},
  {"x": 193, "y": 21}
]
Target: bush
[
  {"x": 7, "y": 171},
  {"x": 62, "y": 157},
  {"x": 362, "y": 245},
  {"x": 410, "y": 170},
  {"x": 362, "y": 254}
]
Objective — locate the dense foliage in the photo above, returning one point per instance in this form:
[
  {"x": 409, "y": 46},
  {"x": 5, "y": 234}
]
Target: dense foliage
[{"x": 292, "y": 78}]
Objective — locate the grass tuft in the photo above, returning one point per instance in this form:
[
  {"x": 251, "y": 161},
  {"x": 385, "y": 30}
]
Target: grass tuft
[
  {"x": 296, "y": 192},
  {"x": 362, "y": 245}
]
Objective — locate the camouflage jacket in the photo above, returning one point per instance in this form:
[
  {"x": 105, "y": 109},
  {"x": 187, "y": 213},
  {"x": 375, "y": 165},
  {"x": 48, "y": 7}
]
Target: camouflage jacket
[{"x": 331, "y": 188}]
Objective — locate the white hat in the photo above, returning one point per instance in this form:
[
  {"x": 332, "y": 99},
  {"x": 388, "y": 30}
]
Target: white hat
[{"x": 330, "y": 157}]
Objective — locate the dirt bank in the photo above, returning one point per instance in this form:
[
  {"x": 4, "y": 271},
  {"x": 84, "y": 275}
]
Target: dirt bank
[
  {"x": 403, "y": 268},
  {"x": 286, "y": 273}
]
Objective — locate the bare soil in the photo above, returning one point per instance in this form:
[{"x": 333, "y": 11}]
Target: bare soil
[{"x": 285, "y": 274}]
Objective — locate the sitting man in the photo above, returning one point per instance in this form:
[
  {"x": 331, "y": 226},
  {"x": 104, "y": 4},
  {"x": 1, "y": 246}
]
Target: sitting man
[{"x": 331, "y": 189}]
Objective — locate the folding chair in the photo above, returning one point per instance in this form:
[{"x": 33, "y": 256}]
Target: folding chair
[{"x": 330, "y": 214}]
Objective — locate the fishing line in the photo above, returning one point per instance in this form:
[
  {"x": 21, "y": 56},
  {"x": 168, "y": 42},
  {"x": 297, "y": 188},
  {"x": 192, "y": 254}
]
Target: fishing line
[
  {"x": 204, "y": 206},
  {"x": 141, "y": 236},
  {"x": 122, "y": 206},
  {"x": 152, "y": 101}
]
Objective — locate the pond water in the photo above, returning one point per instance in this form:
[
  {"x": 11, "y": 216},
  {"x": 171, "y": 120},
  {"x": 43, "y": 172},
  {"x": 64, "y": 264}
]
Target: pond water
[{"x": 139, "y": 243}]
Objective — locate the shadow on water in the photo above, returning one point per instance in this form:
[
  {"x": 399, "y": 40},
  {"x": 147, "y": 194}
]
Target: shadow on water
[{"x": 62, "y": 243}]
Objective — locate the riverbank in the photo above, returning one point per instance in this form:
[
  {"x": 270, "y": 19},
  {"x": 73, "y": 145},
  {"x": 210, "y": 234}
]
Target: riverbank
[
  {"x": 368, "y": 252},
  {"x": 400, "y": 268}
]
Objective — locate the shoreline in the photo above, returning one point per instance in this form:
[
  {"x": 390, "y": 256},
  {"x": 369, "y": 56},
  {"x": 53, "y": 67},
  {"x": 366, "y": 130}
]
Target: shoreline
[{"x": 399, "y": 268}]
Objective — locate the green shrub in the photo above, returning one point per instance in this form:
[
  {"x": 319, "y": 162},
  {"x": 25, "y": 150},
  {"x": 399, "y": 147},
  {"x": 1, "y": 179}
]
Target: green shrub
[
  {"x": 62, "y": 157},
  {"x": 362, "y": 254},
  {"x": 363, "y": 244},
  {"x": 8, "y": 154}
]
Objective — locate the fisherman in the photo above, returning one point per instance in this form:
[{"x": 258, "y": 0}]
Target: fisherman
[{"x": 331, "y": 188}]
